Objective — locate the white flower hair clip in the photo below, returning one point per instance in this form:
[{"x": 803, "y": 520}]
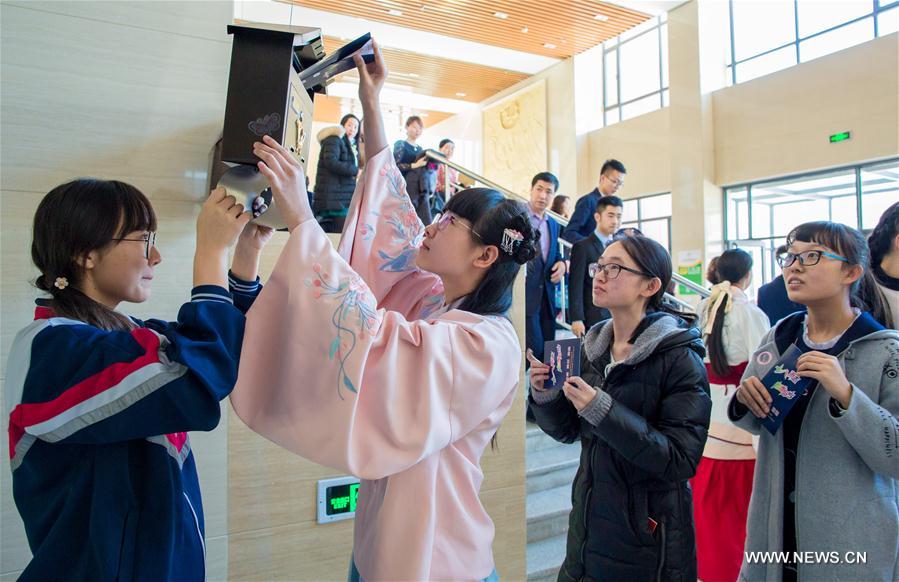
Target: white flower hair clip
[
  {"x": 61, "y": 283},
  {"x": 511, "y": 239}
]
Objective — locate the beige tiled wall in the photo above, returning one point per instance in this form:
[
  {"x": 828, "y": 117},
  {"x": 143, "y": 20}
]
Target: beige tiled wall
[{"x": 127, "y": 90}]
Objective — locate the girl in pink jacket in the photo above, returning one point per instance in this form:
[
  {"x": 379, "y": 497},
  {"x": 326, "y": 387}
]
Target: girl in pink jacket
[{"x": 392, "y": 357}]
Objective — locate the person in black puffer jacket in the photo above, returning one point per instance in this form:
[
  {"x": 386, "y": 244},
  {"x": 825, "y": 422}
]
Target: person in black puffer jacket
[
  {"x": 335, "y": 178},
  {"x": 641, "y": 409}
]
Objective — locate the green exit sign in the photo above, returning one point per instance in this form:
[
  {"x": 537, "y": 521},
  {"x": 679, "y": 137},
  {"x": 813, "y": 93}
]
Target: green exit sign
[
  {"x": 337, "y": 498},
  {"x": 341, "y": 499},
  {"x": 838, "y": 137}
]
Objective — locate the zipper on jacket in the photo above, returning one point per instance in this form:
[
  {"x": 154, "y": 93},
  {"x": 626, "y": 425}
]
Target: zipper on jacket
[
  {"x": 662, "y": 556},
  {"x": 199, "y": 533}
]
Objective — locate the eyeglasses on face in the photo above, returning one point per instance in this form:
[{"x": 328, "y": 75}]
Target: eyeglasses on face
[
  {"x": 807, "y": 258},
  {"x": 619, "y": 182},
  {"x": 612, "y": 270},
  {"x": 149, "y": 240},
  {"x": 444, "y": 219}
]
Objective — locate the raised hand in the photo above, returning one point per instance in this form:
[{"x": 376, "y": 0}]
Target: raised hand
[
  {"x": 220, "y": 221},
  {"x": 371, "y": 80},
  {"x": 288, "y": 182}
]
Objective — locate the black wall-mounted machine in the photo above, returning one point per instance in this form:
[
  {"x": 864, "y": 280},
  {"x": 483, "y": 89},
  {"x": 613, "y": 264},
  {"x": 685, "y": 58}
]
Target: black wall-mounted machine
[{"x": 275, "y": 73}]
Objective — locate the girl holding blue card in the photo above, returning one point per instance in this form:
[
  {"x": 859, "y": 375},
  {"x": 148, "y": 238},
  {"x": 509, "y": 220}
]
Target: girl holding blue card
[
  {"x": 641, "y": 410},
  {"x": 827, "y": 468}
]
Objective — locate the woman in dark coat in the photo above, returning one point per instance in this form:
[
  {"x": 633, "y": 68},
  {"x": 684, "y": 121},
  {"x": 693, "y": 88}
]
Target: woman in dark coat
[
  {"x": 641, "y": 409},
  {"x": 335, "y": 178}
]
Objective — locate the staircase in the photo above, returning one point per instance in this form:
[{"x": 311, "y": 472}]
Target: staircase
[{"x": 551, "y": 467}]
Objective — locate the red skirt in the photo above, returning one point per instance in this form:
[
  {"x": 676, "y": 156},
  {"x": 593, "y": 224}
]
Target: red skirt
[{"x": 721, "y": 491}]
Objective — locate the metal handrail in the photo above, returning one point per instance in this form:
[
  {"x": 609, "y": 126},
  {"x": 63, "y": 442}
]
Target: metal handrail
[{"x": 441, "y": 159}]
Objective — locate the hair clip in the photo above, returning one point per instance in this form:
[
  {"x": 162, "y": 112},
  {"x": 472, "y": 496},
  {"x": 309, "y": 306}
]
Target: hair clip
[
  {"x": 61, "y": 283},
  {"x": 511, "y": 240}
]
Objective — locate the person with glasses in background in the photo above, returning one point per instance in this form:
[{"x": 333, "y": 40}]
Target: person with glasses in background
[
  {"x": 583, "y": 222},
  {"x": 640, "y": 409},
  {"x": 100, "y": 403},
  {"x": 826, "y": 480}
]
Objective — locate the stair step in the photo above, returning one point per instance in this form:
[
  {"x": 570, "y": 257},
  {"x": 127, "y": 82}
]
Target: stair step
[
  {"x": 537, "y": 440},
  {"x": 547, "y": 513},
  {"x": 552, "y": 468},
  {"x": 545, "y": 558}
]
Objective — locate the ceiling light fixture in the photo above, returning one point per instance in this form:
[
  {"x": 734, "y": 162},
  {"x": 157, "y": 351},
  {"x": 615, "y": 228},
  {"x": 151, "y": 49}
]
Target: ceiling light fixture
[
  {"x": 394, "y": 12},
  {"x": 601, "y": 17},
  {"x": 501, "y": 15},
  {"x": 524, "y": 30},
  {"x": 549, "y": 45},
  {"x": 460, "y": 94}
]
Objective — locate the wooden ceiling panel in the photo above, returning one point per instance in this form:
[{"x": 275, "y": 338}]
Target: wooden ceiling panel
[
  {"x": 569, "y": 27},
  {"x": 439, "y": 77}
]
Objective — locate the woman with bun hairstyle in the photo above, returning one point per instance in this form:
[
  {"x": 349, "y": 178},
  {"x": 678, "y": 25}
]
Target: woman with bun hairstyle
[{"x": 391, "y": 358}]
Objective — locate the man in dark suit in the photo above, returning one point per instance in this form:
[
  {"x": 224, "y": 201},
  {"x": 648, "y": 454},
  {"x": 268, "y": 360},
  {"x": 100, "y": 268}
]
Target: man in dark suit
[
  {"x": 582, "y": 223},
  {"x": 545, "y": 270},
  {"x": 582, "y": 312},
  {"x": 773, "y": 298}
]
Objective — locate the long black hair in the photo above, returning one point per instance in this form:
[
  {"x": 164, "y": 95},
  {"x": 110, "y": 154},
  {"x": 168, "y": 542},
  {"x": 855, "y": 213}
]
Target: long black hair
[
  {"x": 355, "y": 140},
  {"x": 74, "y": 219},
  {"x": 733, "y": 265},
  {"x": 490, "y": 214},
  {"x": 653, "y": 259},
  {"x": 850, "y": 244},
  {"x": 881, "y": 240}
]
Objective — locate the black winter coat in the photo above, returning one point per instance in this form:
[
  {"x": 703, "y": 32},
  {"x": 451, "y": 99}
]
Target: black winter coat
[
  {"x": 335, "y": 178},
  {"x": 632, "y": 515}
]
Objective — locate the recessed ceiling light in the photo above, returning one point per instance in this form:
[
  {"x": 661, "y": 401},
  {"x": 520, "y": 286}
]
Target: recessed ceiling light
[
  {"x": 412, "y": 75},
  {"x": 601, "y": 17},
  {"x": 394, "y": 12},
  {"x": 525, "y": 29},
  {"x": 502, "y": 15},
  {"x": 549, "y": 45},
  {"x": 460, "y": 94},
  {"x": 424, "y": 114}
]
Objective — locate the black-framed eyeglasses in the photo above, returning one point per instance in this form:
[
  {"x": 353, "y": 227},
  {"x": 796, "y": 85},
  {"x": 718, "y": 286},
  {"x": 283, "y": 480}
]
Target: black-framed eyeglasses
[
  {"x": 149, "y": 240},
  {"x": 612, "y": 270},
  {"x": 444, "y": 219},
  {"x": 806, "y": 258}
]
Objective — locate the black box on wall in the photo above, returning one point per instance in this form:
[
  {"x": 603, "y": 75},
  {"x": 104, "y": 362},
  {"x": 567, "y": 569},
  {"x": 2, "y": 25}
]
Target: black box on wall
[{"x": 265, "y": 94}]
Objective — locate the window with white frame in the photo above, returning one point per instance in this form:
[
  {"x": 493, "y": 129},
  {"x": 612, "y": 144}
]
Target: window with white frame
[
  {"x": 651, "y": 215},
  {"x": 769, "y": 36},
  {"x": 635, "y": 65},
  {"x": 760, "y": 215}
]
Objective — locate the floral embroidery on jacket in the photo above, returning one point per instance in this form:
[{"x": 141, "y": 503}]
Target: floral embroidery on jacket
[{"x": 356, "y": 312}]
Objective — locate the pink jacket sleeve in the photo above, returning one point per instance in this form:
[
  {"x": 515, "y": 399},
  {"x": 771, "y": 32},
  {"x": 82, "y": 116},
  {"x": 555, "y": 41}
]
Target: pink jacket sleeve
[
  {"x": 382, "y": 237},
  {"x": 327, "y": 375}
]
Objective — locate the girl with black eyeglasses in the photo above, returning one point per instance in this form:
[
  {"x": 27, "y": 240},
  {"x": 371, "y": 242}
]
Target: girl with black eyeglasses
[
  {"x": 641, "y": 411},
  {"x": 100, "y": 404},
  {"x": 826, "y": 480}
]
